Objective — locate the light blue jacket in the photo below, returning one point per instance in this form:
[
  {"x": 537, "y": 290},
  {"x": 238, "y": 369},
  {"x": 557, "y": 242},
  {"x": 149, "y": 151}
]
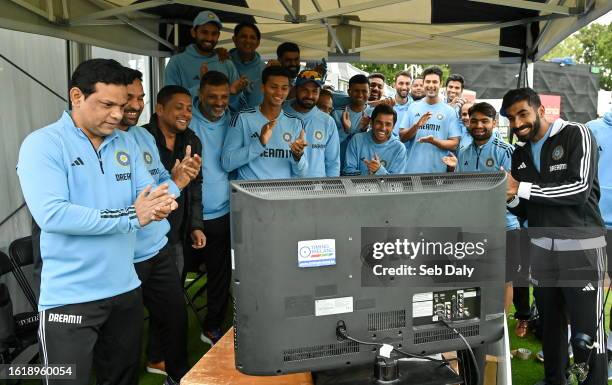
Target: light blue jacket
[{"x": 82, "y": 199}]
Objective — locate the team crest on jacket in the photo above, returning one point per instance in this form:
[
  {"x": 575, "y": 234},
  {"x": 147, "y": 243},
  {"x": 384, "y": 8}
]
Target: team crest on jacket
[
  {"x": 148, "y": 158},
  {"x": 557, "y": 152},
  {"x": 318, "y": 135},
  {"x": 287, "y": 137},
  {"x": 489, "y": 162},
  {"x": 122, "y": 158},
  {"x": 440, "y": 116},
  {"x": 383, "y": 163}
]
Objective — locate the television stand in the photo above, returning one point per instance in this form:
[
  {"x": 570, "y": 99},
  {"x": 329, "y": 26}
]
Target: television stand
[{"x": 390, "y": 371}]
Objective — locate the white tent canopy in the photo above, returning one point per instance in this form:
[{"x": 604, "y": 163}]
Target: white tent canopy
[{"x": 413, "y": 31}]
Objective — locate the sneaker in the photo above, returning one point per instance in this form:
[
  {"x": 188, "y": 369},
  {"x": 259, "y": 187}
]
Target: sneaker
[
  {"x": 211, "y": 336},
  {"x": 522, "y": 328},
  {"x": 157, "y": 368},
  {"x": 540, "y": 356}
]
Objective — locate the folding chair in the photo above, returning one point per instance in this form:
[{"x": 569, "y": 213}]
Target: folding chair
[
  {"x": 23, "y": 344},
  {"x": 21, "y": 254}
]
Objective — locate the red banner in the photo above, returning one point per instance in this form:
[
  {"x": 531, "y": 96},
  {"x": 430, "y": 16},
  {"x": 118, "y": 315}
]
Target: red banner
[{"x": 552, "y": 106}]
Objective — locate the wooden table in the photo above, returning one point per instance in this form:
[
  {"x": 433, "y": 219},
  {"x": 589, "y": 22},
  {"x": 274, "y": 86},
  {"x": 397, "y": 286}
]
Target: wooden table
[{"x": 217, "y": 367}]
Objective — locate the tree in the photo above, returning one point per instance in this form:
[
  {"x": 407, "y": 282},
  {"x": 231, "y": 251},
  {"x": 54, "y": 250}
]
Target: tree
[
  {"x": 591, "y": 45},
  {"x": 390, "y": 70},
  {"x": 570, "y": 47}
]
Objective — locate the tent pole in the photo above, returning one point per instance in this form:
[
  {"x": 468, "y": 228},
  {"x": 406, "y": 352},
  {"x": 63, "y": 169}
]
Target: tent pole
[
  {"x": 77, "y": 53},
  {"x": 157, "y": 76},
  {"x": 522, "y": 82}
]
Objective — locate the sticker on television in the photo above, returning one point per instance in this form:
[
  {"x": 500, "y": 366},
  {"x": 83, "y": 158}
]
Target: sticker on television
[
  {"x": 317, "y": 253},
  {"x": 333, "y": 306}
]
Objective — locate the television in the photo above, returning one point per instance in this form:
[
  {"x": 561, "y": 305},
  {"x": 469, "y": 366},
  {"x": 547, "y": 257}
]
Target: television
[{"x": 308, "y": 256}]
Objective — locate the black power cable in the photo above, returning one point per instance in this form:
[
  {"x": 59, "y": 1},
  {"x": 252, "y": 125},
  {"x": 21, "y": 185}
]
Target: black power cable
[
  {"x": 342, "y": 334},
  {"x": 445, "y": 323}
]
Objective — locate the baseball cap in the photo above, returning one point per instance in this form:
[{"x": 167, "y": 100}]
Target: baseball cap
[
  {"x": 206, "y": 17},
  {"x": 309, "y": 75}
]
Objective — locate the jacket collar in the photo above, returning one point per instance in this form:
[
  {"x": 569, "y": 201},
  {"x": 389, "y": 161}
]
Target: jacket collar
[
  {"x": 558, "y": 125},
  {"x": 160, "y": 139},
  {"x": 67, "y": 121}
]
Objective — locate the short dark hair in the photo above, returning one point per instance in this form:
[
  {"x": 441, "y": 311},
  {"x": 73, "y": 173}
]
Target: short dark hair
[
  {"x": 132, "y": 75},
  {"x": 384, "y": 109},
  {"x": 273, "y": 71},
  {"x": 213, "y": 78},
  {"x": 286, "y": 47},
  {"x": 403, "y": 73},
  {"x": 90, "y": 72},
  {"x": 518, "y": 95},
  {"x": 358, "y": 79},
  {"x": 377, "y": 75},
  {"x": 457, "y": 78},
  {"x": 325, "y": 92},
  {"x": 167, "y": 93},
  {"x": 420, "y": 77},
  {"x": 484, "y": 108},
  {"x": 435, "y": 70},
  {"x": 242, "y": 25}
]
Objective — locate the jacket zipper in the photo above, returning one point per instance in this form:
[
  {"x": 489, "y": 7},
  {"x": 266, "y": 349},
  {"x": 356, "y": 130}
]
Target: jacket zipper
[{"x": 97, "y": 154}]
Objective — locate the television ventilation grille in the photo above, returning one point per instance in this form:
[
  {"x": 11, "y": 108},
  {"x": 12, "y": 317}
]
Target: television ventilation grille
[
  {"x": 387, "y": 320},
  {"x": 429, "y": 336},
  {"x": 304, "y": 188},
  {"x": 320, "y": 351},
  {"x": 296, "y": 188}
]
